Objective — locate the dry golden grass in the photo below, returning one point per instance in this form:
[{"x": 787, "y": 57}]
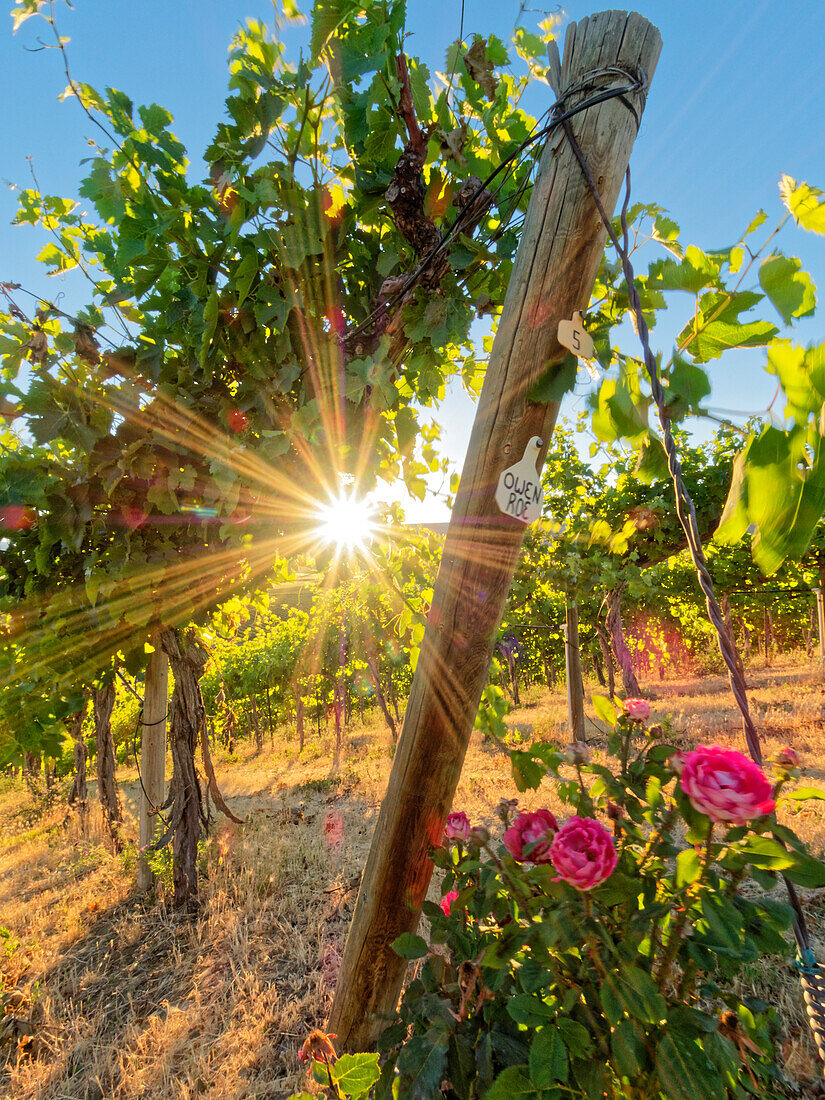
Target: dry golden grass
[{"x": 125, "y": 999}]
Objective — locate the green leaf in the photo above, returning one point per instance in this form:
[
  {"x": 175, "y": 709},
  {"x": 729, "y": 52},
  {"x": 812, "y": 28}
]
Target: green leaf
[
  {"x": 527, "y": 774},
  {"x": 720, "y": 926},
  {"x": 513, "y": 1081},
  {"x": 355, "y": 1074},
  {"x": 719, "y": 336},
  {"x": 807, "y": 871},
  {"x": 805, "y": 203},
  {"x": 548, "y": 1057},
  {"x": 604, "y": 709},
  {"x": 695, "y": 272},
  {"x": 684, "y": 1071},
  {"x": 634, "y": 993},
  {"x": 410, "y": 946},
  {"x": 802, "y": 794},
  {"x": 789, "y": 287},
  {"x": 531, "y": 1011},
  {"x": 687, "y": 386},
  {"x": 762, "y": 851},
  {"x": 688, "y": 867},
  {"x": 576, "y": 1037},
  {"x": 627, "y": 1045},
  {"x": 554, "y": 382},
  {"x": 423, "y": 1060}
]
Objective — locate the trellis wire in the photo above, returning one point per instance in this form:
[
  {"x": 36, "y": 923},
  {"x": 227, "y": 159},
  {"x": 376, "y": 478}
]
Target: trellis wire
[{"x": 812, "y": 974}]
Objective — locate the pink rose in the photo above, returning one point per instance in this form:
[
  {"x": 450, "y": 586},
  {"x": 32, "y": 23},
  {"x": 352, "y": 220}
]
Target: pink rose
[
  {"x": 457, "y": 826},
  {"x": 638, "y": 709},
  {"x": 726, "y": 785},
  {"x": 447, "y": 902},
  {"x": 582, "y": 852},
  {"x": 531, "y": 828}
]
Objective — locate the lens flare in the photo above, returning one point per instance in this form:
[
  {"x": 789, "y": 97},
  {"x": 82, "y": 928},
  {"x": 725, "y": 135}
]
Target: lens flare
[{"x": 346, "y": 523}]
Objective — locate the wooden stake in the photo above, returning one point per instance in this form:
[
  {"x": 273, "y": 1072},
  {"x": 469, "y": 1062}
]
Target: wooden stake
[
  {"x": 820, "y": 620},
  {"x": 573, "y": 671},
  {"x": 561, "y": 246},
  {"x": 152, "y": 753}
]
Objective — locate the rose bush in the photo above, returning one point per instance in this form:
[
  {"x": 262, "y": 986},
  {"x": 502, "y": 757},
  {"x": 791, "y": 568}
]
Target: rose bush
[{"x": 601, "y": 956}]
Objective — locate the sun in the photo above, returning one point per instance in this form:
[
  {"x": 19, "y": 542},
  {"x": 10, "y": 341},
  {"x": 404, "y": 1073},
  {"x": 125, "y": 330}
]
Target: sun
[{"x": 346, "y": 523}]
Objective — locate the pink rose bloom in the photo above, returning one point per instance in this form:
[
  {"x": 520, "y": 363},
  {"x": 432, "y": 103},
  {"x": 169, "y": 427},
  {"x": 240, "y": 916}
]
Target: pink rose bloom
[
  {"x": 447, "y": 902},
  {"x": 457, "y": 826},
  {"x": 531, "y": 828},
  {"x": 637, "y": 708},
  {"x": 582, "y": 852},
  {"x": 726, "y": 785}
]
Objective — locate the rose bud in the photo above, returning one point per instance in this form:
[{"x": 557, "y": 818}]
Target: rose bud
[
  {"x": 578, "y": 753},
  {"x": 676, "y": 762},
  {"x": 614, "y": 811},
  {"x": 786, "y": 758},
  {"x": 479, "y": 836},
  {"x": 506, "y": 807}
]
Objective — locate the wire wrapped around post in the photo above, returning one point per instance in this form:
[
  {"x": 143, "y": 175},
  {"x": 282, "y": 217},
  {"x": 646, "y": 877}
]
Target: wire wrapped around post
[{"x": 812, "y": 974}]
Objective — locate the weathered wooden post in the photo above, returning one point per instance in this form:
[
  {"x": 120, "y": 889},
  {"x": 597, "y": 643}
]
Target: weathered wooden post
[
  {"x": 820, "y": 621},
  {"x": 573, "y": 670},
  {"x": 561, "y": 246},
  {"x": 152, "y": 753}
]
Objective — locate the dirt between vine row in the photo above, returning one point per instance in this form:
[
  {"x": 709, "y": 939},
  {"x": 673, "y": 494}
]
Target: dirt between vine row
[{"x": 107, "y": 994}]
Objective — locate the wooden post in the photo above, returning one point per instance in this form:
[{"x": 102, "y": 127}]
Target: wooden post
[
  {"x": 765, "y": 634},
  {"x": 152, "y": 753},
  {"x": 573, "y": 671},
  {"x": 820, "y": 619},
  {"x": 561, "y": 246}
]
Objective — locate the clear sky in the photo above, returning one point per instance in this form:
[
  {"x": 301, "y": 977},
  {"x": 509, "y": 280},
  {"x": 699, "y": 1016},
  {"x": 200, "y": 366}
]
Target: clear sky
[{"x": 737, "y": 100}]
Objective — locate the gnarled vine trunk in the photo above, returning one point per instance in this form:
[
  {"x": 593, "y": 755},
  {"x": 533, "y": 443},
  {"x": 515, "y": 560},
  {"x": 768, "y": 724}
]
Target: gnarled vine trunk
[
  {"x": 380, "y": 698},
  {"x": 79, "y": 794},
  {"x": 186, "y": 717},
  {"x": 103, "y": 701},
  {"x": 620, "y": 649},
  {"x": 607, "y": 654},
  {"x": 299, "y": 717},
  {"x": 549, "y": 671}
]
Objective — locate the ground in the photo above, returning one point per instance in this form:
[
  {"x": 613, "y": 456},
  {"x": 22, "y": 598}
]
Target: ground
[{"x": 107, "y": 994}]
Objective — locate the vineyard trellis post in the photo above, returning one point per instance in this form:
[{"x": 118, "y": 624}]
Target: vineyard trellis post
[
  {"x": 152, "y": 754},
  {"x": 559, "y": 253},
  {"x": 573, "y": 670},
  {"x": 820, "y": 620}
]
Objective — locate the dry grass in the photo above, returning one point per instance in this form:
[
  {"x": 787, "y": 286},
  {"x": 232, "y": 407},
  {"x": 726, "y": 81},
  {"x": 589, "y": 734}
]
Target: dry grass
[{"x": 127, "y": 1000}]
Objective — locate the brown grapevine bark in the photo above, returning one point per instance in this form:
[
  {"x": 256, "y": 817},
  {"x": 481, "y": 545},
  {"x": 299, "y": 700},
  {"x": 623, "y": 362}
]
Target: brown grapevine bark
[{"x": 103, "y": 701}]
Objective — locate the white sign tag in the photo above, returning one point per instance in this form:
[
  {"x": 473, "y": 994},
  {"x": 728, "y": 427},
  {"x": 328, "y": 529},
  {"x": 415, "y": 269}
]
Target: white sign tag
[
  {"x": 519, "y": 493},
  {"x": 572, "y": 336}
]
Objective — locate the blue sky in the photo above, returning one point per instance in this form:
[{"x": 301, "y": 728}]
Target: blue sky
[{"x": 737, "y": 100}]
